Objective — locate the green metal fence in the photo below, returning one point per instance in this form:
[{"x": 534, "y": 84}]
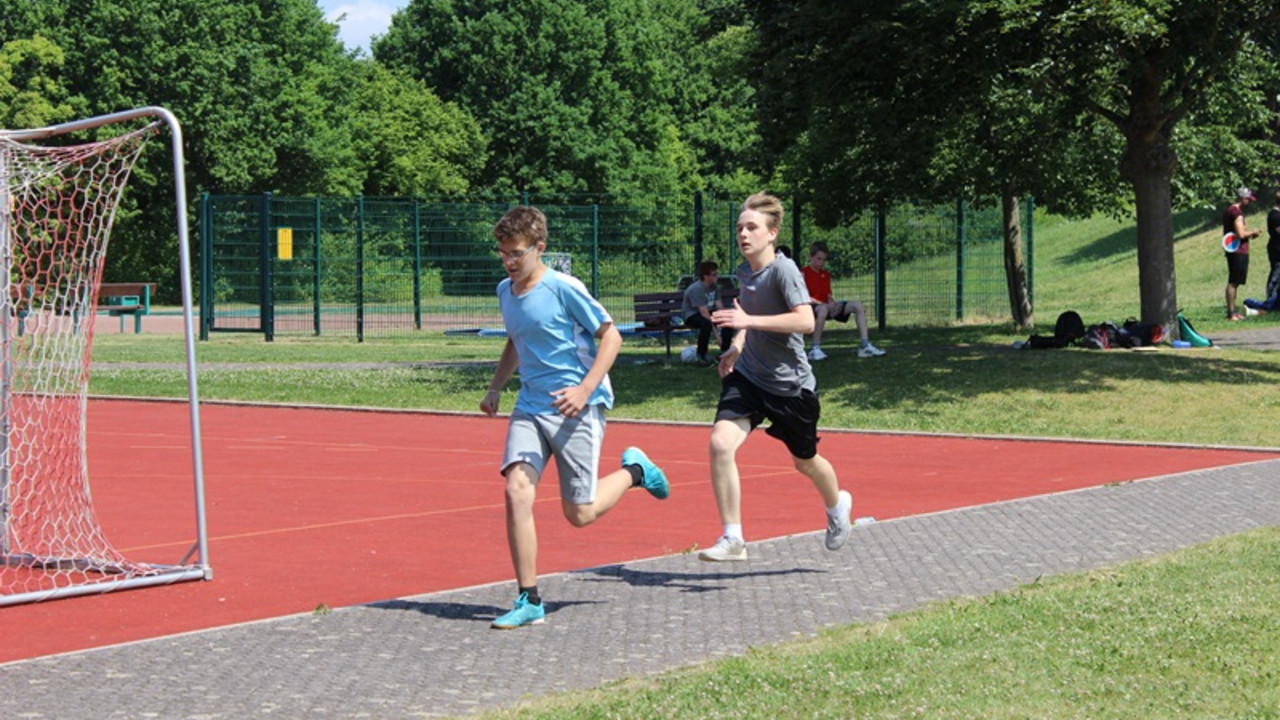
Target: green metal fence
[{"x": 378, "y": 266}]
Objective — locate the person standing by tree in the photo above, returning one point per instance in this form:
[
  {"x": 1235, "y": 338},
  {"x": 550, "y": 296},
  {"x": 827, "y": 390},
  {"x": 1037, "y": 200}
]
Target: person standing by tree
[
  {"x": 766, "y": 376},
  {"x": 1238, "y": 261},
  {"x": 564, "y": 343}
]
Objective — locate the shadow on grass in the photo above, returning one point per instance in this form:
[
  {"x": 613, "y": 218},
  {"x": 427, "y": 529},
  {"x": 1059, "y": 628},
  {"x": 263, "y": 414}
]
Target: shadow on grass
[
  {"x": 952, "y": 366},
  {"x": 1185, "y": 224},
  {"x": 925, "y": 377}
]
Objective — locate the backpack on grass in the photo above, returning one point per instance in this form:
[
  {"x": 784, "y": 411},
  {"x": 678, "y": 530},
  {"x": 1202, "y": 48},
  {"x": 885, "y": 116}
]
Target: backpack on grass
[
  {"x": 1102, "y": 336},
  {"x": 1139, "y": 334},
  {"x": 1066, "y": 331}
]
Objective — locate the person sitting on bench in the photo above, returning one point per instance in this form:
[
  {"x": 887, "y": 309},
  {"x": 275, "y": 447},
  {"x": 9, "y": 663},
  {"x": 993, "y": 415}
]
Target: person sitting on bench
[
  {"x": 702, "y": 298},
  {"x": 818, "y": 280}
]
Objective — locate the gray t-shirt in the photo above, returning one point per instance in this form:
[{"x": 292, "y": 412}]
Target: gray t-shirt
[
  {"x": 774, "y": 361},
  {"x": 698, "y": 296}
]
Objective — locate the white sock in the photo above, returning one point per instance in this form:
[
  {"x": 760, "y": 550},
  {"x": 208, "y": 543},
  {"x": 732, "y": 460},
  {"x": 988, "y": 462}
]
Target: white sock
[
  {"x": 734, "y": 530},
  {"x": 834, "y": 511}
]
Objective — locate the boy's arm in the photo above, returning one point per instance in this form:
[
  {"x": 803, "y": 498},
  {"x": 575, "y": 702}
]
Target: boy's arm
[
  {"x": 798, "y": 320},
  {"x": 506, "y": 367},
  {"x": 571, "y": 400}
]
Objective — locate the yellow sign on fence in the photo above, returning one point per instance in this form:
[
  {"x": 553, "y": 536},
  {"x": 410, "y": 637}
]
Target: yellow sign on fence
[{"x": 284, "y": 243}]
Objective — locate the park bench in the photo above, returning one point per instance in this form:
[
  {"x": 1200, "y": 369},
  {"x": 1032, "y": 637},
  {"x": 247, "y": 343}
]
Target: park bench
[
  {"x": 116, "y": 299},
  {"x": 660, "y": 312},
  {"x": 125, "y": 299}
]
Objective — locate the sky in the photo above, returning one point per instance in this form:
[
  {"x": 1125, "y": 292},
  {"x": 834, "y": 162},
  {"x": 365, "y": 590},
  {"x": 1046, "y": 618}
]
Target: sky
[{"x": 365, "y": 18}]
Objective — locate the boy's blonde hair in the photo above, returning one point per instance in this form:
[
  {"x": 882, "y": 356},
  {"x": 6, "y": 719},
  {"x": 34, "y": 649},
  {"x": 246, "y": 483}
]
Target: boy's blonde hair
[
  {"x": 522, "y": 222},
  {"x": 767, "y": 205}
]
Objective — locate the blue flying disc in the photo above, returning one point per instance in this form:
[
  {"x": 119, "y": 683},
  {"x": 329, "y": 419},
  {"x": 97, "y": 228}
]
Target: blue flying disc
[{"x": 1230, "y": 242}]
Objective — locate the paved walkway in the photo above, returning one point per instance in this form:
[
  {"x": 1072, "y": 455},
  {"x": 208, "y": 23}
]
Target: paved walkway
[{"x": 434, "y": 656}]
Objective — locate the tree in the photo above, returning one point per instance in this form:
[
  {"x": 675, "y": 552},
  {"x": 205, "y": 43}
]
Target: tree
[
  {"x": 1144, "y": 69},
  {"x": 1032, "y": 96},
  {"x": 30, "y": 94},
  {"x": 574, "y": 95},
  {"x": 408, "y": 141},
  {"x": 873, "y": 104},
  {"x": 261, "y": 88}
]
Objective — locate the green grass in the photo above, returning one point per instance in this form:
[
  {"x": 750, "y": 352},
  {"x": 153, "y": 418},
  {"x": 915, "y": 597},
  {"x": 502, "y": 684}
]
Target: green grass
[
  {"x": 1195, "y": 634},
  {"x": 964, "y": 379}
]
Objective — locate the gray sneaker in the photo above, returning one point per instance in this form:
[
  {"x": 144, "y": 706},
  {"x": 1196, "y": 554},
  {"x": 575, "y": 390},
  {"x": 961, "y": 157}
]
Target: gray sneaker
[
  {"x": 726, "y": 549},
  {"x": 839, "y": 527}
]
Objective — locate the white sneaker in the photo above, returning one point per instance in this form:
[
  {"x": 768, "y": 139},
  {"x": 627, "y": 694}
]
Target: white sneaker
[
  {"x": 839, "y": 527},
  {"x": 869, "y": 350},
  {"x": 726, "y": 549},
  {"x": 817, "y": 354},
  {"x": 1250, "y": 312}
]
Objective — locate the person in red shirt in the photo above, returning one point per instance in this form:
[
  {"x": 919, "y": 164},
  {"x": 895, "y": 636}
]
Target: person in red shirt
[
  {"x": 818, "y": 281},
  {"x": 1238, "y": 261}
]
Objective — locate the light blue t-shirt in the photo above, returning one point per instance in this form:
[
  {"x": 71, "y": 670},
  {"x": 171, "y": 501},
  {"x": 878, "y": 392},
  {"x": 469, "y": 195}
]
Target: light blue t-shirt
[{"x": 553, "y": 328}]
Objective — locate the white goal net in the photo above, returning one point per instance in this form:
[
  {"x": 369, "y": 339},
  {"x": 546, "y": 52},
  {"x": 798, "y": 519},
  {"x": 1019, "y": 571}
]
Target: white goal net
[{"x": 58, "y": 197}]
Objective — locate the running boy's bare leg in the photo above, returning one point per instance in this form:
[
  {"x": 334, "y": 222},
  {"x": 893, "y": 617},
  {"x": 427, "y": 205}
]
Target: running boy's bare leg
[
  {"x": 839, "y": 503},
  {"x": 609, "y": 490},
  {"x": 726, "y": 437},
  {"x": 522, "y": 535},
  {"x": 823, "y": 477}
]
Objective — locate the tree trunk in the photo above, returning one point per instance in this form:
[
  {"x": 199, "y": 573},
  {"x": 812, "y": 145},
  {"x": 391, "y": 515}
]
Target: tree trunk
[
  {"x": 1148, "y": 165},
  {"x": 1015, "y": 263}
]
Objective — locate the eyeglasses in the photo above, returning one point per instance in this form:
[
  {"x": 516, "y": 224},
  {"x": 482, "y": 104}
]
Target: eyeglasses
[{"x": 514, "y": 255}]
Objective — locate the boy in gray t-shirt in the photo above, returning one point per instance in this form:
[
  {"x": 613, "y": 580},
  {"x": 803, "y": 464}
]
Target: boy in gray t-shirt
[
  {"x": 700, "y": 300},
  {"x": 766, "y": 376}
]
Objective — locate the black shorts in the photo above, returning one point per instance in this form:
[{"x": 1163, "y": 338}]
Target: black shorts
[
  {"x": 793, "y": 420},
  {"x": 1237, "y": 268}
]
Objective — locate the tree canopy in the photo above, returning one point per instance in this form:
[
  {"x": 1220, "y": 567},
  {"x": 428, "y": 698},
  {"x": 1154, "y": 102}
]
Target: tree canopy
[
  {"x": 268, "y": 98},
  {"x": 1124, "y": 106},
  {"x": 1067, "y": 100},
  {"x": 594, "y": 96}
]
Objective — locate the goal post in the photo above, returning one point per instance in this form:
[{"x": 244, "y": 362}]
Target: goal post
[{"x": 58, "y": 198}]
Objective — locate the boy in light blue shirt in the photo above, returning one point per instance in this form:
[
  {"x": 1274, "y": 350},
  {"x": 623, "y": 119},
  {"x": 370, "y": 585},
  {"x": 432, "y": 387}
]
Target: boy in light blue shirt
[{"x": 563, "y": 342}]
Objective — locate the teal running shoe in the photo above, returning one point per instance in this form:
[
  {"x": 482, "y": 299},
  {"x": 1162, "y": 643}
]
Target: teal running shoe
[
  {"x": 524, "y": 613},
  {"x": 654, "y": 480}
]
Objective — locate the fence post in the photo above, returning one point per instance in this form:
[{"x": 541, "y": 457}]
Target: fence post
[
  {"x": 959, "y": 258},
  {"x": 316, "y": 256},
  {"x": 881, "y": 261},
  {"x": 266, "y": 281},
  {"x": 595, "y": 249},
  {"x": 206, "y": 265},
  {"x": 359, "y": 268},
  {"x": 697, "y": 228},
  {"x": 417, "y": 264}
]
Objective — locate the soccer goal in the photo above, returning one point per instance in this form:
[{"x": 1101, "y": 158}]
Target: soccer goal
[{"x": 58, "y": 197}]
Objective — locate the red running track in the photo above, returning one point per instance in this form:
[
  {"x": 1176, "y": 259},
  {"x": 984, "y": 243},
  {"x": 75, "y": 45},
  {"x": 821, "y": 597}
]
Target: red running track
[{"x": 338, "y": 507}]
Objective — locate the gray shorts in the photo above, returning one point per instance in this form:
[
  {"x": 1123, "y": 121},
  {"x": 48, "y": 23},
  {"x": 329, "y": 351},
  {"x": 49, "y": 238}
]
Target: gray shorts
[{"x": 575, "y": 442}]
